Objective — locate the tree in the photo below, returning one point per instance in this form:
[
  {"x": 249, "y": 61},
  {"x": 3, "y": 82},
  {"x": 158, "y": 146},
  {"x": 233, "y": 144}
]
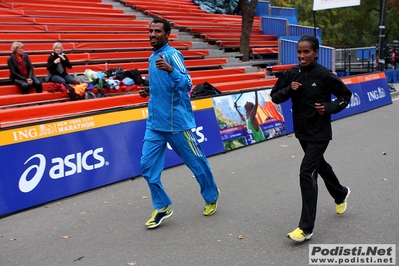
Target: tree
[{"x": 248, "y": 8}]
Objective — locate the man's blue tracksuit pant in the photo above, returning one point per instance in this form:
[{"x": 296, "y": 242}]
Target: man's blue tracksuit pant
[{"x": 185, "y": 144}]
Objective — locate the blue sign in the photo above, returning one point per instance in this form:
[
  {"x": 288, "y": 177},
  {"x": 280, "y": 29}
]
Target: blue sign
[
  {"x": 356, "y": 105},
  {"x": 376, "y": 93},
  {"x": 287, "y": 113},
  {"x": 43, "y": 170}
]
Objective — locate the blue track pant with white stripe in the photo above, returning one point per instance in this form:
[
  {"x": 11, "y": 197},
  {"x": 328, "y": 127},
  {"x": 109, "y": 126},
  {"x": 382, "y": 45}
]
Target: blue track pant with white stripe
[{"x": 185, "y": 144}]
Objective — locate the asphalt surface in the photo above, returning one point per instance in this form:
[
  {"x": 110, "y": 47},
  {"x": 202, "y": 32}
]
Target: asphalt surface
[{"x": 260, "y": 203}]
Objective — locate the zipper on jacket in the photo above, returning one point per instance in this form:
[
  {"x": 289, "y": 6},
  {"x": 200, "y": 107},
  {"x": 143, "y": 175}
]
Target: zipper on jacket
[{"x": 171, "y": 109}]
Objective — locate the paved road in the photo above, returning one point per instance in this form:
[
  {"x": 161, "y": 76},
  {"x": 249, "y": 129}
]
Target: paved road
[{"x": 260, "y": 201}]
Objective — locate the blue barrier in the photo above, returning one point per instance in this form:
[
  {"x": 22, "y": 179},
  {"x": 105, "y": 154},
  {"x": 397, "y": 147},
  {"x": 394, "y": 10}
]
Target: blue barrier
[
  {"x": 45, "y": 162},
  {"x": 392, "y": 75},
  {"x": 284, "y": 11},
  {"x": 291, "y": 20},
  {"x": 262, "y": 8},
  {"x": 274, "y": 26},
  {"x": 298, "y": 30},
  {"x": 287, "y": 52}
]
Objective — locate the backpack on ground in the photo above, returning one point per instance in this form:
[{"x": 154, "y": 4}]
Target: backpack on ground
[{"x": 204, "y": 89}]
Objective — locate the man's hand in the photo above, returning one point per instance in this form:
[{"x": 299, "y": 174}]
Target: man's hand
[
  {"x": 29, "y": 80},
  {"x": 320, "y": 108},
  {"x": 144, "y": 92},
  {"x": 163, "y": 65}
]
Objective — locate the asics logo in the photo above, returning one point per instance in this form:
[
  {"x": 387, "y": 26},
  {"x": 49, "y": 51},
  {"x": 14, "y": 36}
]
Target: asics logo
[{"x": 60, "y": 167}]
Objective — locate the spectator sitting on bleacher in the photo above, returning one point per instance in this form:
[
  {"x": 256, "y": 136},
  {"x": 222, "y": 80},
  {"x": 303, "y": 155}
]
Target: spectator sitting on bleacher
[
  {"x": 21, "y": 69},
  {"x": 57, "y": 64}
]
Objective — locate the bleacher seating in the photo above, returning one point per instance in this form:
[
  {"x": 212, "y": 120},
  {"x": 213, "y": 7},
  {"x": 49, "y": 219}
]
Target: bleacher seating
[{"x": 98, "y": 37}]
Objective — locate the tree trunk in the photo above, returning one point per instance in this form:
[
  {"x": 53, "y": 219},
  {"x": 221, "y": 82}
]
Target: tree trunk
[{"x": 247, "y": 20}]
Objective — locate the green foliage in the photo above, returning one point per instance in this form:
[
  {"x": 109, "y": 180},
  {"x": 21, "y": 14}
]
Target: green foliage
[{"x": 356, "y": 26}]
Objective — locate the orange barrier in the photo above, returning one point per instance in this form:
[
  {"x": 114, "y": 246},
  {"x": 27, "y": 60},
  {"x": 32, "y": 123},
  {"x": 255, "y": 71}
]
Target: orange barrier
[{"x": 10, "y": 37}]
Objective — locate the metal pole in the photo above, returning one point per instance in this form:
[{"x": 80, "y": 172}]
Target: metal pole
[
  {"x": 381, "y": 37},
  {"x": 314, "y": 23}
]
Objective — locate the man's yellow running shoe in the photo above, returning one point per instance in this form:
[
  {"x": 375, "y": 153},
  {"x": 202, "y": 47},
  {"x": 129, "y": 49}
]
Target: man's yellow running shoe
[
  {"x": 299, "y": 235},
  {"x": 210, "y": 208},
  {"x": 158, "y": 216},
  {"x": 341, "y": 208}
]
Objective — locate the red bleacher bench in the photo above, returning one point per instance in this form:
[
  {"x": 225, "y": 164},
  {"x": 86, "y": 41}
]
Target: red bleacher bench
[
  {"x": 229, "y": 78},
  {"x": 266, "y": 50},
  {"x": 92, "y": 14},
  {"x": 245, "y": 84},
  {"x": 281, "y": 68},
  {"x": 142, "y": 66},
  {"x": 236, "y": 37},
  {"x": 15, "y": 116},
  {"x": 251, "y": 44},
  {"x": 26, "y": 37},
  {"x": 70, "y": 47},
  {"x": 13, "y": 100}
]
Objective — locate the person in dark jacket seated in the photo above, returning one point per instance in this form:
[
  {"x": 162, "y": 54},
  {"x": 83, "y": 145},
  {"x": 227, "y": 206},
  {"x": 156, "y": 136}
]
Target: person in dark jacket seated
[
  {"x": 21, "y": 69},
  {"x": 57, "y": 65}
]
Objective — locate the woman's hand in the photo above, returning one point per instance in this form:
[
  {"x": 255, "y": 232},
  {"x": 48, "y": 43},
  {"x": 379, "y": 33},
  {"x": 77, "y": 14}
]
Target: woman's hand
[
  {"x": 295, "y": 85},
  {"x": 320, "y": 108},
  {"x": 56, "y": 61}
]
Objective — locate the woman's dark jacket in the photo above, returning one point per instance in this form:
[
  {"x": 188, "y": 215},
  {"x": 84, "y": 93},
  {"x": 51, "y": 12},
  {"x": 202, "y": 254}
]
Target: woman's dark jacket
[
  {"x": 318, "y": 85},
  {"x": 14, "y": 70},
  {"x": 52, "y": 68}
]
